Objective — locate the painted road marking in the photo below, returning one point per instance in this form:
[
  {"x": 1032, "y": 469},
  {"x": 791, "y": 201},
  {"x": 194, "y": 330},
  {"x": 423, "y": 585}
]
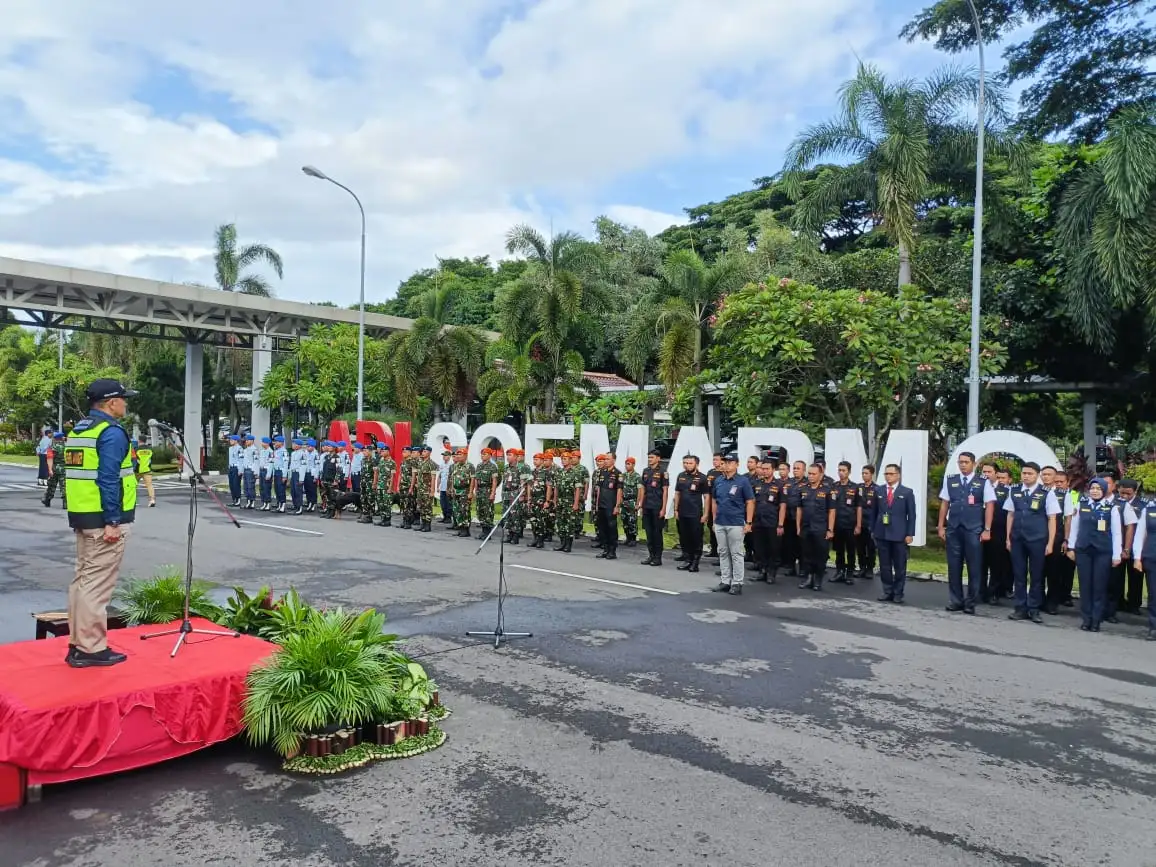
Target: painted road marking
[
  {"x": 599, "y": 580},
  {"x": 280, "y": 527}
]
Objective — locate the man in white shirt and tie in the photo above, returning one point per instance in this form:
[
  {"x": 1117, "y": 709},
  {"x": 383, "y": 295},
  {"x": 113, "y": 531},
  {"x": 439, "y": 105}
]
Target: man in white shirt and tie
[
  {"x": 966, "y": 509},
  {"x": 1031, "y": 531}
]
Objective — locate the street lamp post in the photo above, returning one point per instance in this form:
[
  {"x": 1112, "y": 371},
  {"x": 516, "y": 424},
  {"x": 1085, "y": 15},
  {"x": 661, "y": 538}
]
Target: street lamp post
[
  {"x": 317, "y": 173},
  {"x": 977, "y": 243}
]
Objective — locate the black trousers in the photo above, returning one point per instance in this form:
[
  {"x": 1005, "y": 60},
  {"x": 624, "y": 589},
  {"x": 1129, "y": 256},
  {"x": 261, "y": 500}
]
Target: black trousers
[
  {"x": 790, "y": 551},
  {"x": 865, "y": 546},
  {"x": 1116, "y": 576},
  {"x": 766, "y": 545},
  {"x": 653, "y": 524},
  {"x": 607, "y": 523},
  {"x": 1060, "y": 576},
  {"x": 690, "y": 532},
  {"x": 844, "y": 543},
  {"x": 815, "y": 548},
  {"x": 996, "y": 579},
  {"x": 893, "y": 567},
  {"x": 1133, "y": 587}
]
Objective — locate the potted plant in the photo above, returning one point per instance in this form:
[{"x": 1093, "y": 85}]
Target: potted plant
[{"x": 161, "y": 599}]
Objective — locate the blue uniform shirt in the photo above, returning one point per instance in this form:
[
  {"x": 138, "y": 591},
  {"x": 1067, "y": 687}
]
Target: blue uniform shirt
[{"x": 732, "y": 496}]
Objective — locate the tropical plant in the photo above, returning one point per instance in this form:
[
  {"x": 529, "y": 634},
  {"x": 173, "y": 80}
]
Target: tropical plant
[
  {"x": 161, "y": 599},
  {"x": 325, "y": 673},
  {"x": 519, "y": 378},
  {"x": 245, "y": 613},
  {"x": 897, "y": 133},
  {"x": 287, "y": 616}
]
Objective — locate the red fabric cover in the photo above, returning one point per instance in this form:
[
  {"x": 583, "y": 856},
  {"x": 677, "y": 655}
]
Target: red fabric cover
[{"x": 64, "y": 724}]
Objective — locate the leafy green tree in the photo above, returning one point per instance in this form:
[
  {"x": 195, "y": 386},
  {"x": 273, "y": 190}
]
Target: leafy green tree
[
  {"x": 1082, "y": 63},
  {"x": 523, "y": 378},
  {"x": 820, "y": 358}
]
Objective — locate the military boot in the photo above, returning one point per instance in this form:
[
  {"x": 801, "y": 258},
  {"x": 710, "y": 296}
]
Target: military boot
[{"x": 425, "y": 527}]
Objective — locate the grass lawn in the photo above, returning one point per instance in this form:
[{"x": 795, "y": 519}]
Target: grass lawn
[{"x": 23, "y": 460}]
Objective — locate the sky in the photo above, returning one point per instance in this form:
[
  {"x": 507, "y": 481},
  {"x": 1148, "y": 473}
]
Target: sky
[{"x": 133, "y": 128}]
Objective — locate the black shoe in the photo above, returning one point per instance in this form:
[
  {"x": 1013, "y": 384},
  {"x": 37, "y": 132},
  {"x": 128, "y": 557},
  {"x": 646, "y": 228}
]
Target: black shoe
[
  {"x": 569, "y": 546},
  {"x": 805, "y": 583},
  {"x": 46, "y": 503},
  {"x": 682, "y": 558},
  {"x": 630, "y": 543},
  {"x": 1151, "y": 636},
  {"x": 898, "y": 600},
  {"x": 736, "y": 590},
  {"x": 721, "y": 588},
  {"x": 647, "y": 561},
  {"x": 682, "y": 567},
  {"x": 1113, "y": 619},
  {"x": 1085, "y": 627},
  {"x": 71, "y": 652},
  {"x": 954, "y": 608},
  {"x": 100, "y": 659},
  {"x": 561, "y": 548},
  {"x": 969, "y": 610},
  {"x": 1019, "y": 615},
  {"x": 886, "y": 597},
  {"x": 612, "y": 555},
  {"x": 1095, "y": 627},
  {"x": 514, "y": 539},
  {"x": 1034, "y": 617},
  {"x": 365, "y": 519},
  {"x": 425, "y": 527},
  {"x": 595, "y": 544},
  {"x": 657, "y": 561},
  {"x": 693, "y": 567}
]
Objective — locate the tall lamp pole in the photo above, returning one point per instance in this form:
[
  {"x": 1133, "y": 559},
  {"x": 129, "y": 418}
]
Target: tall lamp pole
[
  {"x": 317, "y": 173},
  {"x": 977, "y": 248}
]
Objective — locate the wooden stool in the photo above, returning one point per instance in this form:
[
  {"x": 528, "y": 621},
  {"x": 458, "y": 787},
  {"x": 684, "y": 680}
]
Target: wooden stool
[{"x": 55, "y": 623}]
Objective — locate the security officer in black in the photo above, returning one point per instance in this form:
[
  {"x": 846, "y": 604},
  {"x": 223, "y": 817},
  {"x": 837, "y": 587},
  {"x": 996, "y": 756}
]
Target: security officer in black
[
  {"x": 653, "y": 487},
  {"x": 865, "y": 541},
  {"x": 711, "y": 475},
  {"x": 607, "y": 505},
  {"x": 815, "y": 524},
  {"x": 770, "y": 516},
  {"x": 691, "y": 505},
  {"x": 791, "y": 547},
  {"x": 848, "y": 523}
]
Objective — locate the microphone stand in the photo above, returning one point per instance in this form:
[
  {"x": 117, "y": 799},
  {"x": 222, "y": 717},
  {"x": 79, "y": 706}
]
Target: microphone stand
[
  {"x": 186, "y": 628},
  {"x": 499, "y": 633}
]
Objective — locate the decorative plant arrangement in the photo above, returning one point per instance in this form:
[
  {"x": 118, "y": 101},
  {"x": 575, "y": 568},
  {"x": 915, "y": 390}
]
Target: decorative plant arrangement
[
  {"x": 161, "y": 599},
  {"x": 335, "y": 695}
]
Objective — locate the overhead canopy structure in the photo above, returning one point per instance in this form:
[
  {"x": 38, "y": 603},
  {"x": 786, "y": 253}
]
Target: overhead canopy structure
[{"x": 51, "y": 296}]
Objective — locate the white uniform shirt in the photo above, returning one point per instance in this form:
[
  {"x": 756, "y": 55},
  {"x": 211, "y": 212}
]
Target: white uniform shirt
[
  {"x": 1051, "y": 504},
  {"x": 988, "y": 489},
  {"x": 1116, "y": 527}
]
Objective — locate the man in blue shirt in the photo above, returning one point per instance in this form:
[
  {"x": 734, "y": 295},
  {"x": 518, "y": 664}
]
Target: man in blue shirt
[
  {"x": 733, "y": 507},
  {"x": 100, "y": 511}
]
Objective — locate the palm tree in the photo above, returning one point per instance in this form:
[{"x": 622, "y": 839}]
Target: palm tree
[
  {"x": 231, "y": 263},
  {"x": 434, "y": 359},
  {"x": 897, "y": 133},
  {"x": 681, "y": 320},
  {"x": 553, "y": 304},
  {"x": 519, "y": 379},
  {"x": 1106, "y": 230}
]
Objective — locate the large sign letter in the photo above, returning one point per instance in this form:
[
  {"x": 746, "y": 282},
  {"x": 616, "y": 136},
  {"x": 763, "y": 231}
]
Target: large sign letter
[
  {"x": 691, "y": 441},
  {"x": 908, "y": 448},
  {"x": 537, "y": 434},
  {"x": 503, "y": 433},
  {"x": 445, "y": 433},
  {"x": 1009, "y": 442},
  {"x": 797, "y": 444}
]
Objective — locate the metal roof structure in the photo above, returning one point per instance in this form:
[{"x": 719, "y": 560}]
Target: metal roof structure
[{"x": 52, "y": 296}]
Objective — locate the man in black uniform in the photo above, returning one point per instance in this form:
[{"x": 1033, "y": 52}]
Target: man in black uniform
[
  {"x": 815, "y": 525},
  {"x": 791, "y": 548},
  {"x": 1133, "y": 586},
  {"x": 996, "y": 582},
  {"x": 865, "y": 541},
  {"x": 770, "y": 515},
  {"x": 848, "y": 523},
  {"x": 653, "y": 486},
  {"x": 712, "y": 474},
  {"x": 691, "y": 506},
  {"x": 607, "y": 504}
]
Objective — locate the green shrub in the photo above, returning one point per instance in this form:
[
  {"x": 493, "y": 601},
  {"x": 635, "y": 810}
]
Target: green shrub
[
  {"x": 161, "y": 599},
  {"x": 1145, "y": 474},
  {"x": 20, "y": 447}
]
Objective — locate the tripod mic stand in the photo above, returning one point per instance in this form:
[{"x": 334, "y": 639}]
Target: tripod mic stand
[
  {"x": 499, "y": 633},
  {"x": 186, "y": 628}
]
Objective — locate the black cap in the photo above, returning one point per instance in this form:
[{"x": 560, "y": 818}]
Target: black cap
[
  {"x": 103, "y": 389},
  {"x": 1131, "y": 484},
  {"x": 731, "y": 456}
]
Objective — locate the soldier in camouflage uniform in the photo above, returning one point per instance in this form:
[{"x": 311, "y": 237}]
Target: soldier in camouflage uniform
[
  {"x": 487, "y": 476},
  {"x": 582, "y": 485},
  {"x": 383, "y": 486},
  {"x": 630, "y": 482},
  {"x": 424, "y": 485},
  {"x": 564, "y": 479},
  {"x": 367, "y": 494},
  {"x": 513, "y": 483},
  {"x": 57, "y": 477},
  {"x": 461, "y": 487},
  {"x": 405, "y": 499},
  {"x": 541, "y": 498},
  {"x": 550, "y": 517}
]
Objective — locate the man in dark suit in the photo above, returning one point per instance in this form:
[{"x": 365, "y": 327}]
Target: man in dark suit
[{"x": 894, "y": 531}]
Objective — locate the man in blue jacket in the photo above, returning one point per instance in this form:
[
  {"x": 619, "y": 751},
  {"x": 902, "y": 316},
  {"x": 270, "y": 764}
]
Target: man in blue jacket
[{"x": 894, "y": 531}]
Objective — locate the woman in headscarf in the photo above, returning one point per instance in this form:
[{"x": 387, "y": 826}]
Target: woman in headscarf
[{"x": 1095, "y": 540}]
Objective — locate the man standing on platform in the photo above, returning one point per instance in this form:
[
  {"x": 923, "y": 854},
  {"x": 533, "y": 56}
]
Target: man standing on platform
[
  {"x": 894, "y": 531},
  {"x": 101, "y": 508}
]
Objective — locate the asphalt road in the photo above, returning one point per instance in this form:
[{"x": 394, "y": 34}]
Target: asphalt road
[{"x": 635, "y": 727}]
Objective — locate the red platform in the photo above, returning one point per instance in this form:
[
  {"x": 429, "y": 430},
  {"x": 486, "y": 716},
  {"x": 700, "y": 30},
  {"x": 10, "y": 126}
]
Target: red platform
[{"x": 59, "y": 723}]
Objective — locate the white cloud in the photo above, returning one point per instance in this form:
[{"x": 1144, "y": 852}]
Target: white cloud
[{"x": 399, "y": 101}]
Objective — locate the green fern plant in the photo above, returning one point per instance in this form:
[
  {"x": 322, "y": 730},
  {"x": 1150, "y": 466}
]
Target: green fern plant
[
  {"x": 161, "y": 599},
  {"x": 324, "y": 673}
]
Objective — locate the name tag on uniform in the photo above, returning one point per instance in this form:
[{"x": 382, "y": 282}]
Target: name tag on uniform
[
  {"x": 850, "y": 501},
  {"x": 612, "y": 484},
  {"x": 971, "y": 499},
  {"x": 694, "y": 486},
  {"x": 1035, "y": 505},
  {"x": 654, "y": 484},
  {"x": 1102, "y": 525},
  {"x": 886, "y": 520},
  {"x": 734, "y": 489}
]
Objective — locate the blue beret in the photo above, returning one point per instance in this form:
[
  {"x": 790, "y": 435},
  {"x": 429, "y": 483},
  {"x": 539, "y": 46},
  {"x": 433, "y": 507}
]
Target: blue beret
[
  {"x": 343, "y": 444},
  {"x": 358, "y": 446},
  {"x": 298, "y": 442},
  {"x": 60, "y": 435},
  {"x": 278, "y": 439},
  {"x": 311, "y": 442},
  {"x": 234, "y": 437},
  {"x": 249, "y": 436},
  {"x": 266, "y": 440}
]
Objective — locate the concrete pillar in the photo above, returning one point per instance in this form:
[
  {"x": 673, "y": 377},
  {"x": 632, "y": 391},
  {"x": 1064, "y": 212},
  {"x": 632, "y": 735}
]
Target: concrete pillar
[
  {"x": 1090, "y": 432},
  {"x": 262, "y": 361},
  {"x": 193, "y": 427},
  {"x": 712, "y": 424}
]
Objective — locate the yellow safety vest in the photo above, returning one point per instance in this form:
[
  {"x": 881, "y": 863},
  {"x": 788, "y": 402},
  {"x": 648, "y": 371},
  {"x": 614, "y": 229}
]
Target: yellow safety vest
[
  {"x": 81, "y": 462},
  {"x": 145, "y": 459}
]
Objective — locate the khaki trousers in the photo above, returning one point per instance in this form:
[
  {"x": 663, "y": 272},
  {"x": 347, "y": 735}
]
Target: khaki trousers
[
  {"x": 147, "y": 480},
  {"x": 97, "y": 568}
]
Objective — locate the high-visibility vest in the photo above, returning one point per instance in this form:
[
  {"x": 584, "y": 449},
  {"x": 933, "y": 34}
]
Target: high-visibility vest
[
  {"x": 145, "y": 460},
  {"x": 81, "y": 462}
]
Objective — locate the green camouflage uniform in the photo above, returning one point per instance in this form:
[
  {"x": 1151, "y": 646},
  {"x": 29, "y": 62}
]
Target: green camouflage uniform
[
  {"x": 541, "y": 482},
  {"x": 485, "y": 474},
  {"x": 368, "y": 495},
  {"x": 552, "y": 512},
  {"x": 407, "y": 500},
  {"x": 515, "y": 479},
  {"x": 565, "y": 480},
  {"x": 383, "y": 492},
  {"x": 630, "y": 482},
  {"x": 581, "y": 478},
  {"x": 461, "y": 475},
  {"x": 57, "y": 477},
  {"x": 425, "y": 471}
]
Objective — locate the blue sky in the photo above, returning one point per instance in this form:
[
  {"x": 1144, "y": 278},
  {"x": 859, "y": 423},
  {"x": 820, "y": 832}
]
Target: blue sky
[{"x": 137, "y": 127}]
